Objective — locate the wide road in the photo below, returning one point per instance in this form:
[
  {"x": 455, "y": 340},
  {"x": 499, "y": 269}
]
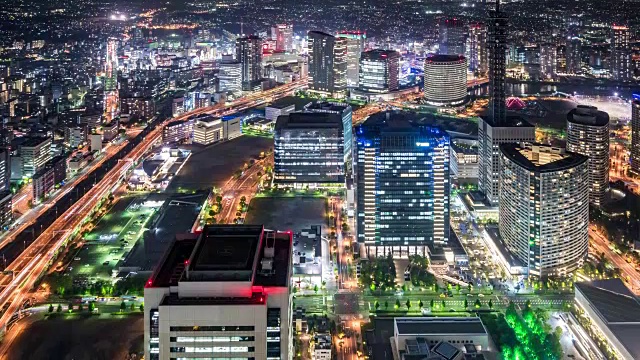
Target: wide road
[
  {"x": 599, "y": 244},
  {"x": 28, "y": 259}
]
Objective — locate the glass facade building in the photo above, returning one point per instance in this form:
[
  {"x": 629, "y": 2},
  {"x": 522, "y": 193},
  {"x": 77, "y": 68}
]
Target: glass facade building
[
  {"x": 355, "y": 47},
  {"x": 346, "y": 114},
  {"x": 402, "y": 194},
  {"x": 635, "y": 134},
  {"x": 445, "y": 80},
  {"x": 544, "y": 207},
  {"x": 309, "y": 150},
  {"x": 379, "y": 71},
  {"x": 327, "y": 63}
]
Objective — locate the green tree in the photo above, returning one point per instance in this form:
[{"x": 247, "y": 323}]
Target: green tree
[
  {"x": 458, "y": 288},
  {"x": 527, "y": 304},
  {"x": 490, "y": 304},
  {"x": 397, "y": 304},
  {"x": 315, "y": 288},
  {"x": 50, "y": 308},
  {"x": 132, "y": 307},
  {"x": 477, "y": 304},
  {"x": 123, "y": 306},
  {"x": 408, "y": 303},
  {"x": 59, "y": 309},
  {"x": 141, "y": 307},
  {"x": 70, "y": 307},
  {"x": 466, "y": 304},
  {"x": 92, "y": 306},
  {"x": 376, "y": 305},
  {"x": 80, "y": 307},
  {"x": 469, "y": 287},
  {"x": 443, "y": 305},
  {"x": 420, "y": 304},
  {"x": 386, "y": 305},
  {"x": 431, "y": 303}
]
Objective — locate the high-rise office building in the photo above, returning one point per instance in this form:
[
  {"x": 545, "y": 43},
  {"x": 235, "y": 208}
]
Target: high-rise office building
[
  {"x": 548, "y": 60},
  {"x": 496, "y": 50},
  {"x": 221, "y": 294},
  {"x": 497, "y": 128},
  {"x": 35, "y": 152},
  {"x": 620, "y": 62},
  {"x": 355, "y": 47},
  {"x": 402, "y": 192},
  {"x": 327, "y": 63},
  {"x": 249, "y": 54},
  {"x": 379, "y": 70},
  {"x": 346, "y": 114},
  {"x": 574, "y": 55},
  {"x": 445, "y": 80},
  {"x": 477, "y": 49},
  {"x": 544, "y": 207},
  {"x": 490, "y": 137},
  {"x": 283, "y": 35},
  {"x": 635, "y": 134},
  {"x": 588, "y": 135},
  {"x": 230, "y": 76},
  {"x": 451, "y": 36},
  {"x": 309, "y": 150}
]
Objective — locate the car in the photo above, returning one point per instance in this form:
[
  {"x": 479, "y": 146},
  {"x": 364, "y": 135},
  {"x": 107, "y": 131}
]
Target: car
[{"x": 77, "y": 259}]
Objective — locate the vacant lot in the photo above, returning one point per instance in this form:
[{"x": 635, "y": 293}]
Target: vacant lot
[
  {"x": 80, "y": 339},
  {"x": 215, "y": 164},
  {"x": 286, "y": 213}
]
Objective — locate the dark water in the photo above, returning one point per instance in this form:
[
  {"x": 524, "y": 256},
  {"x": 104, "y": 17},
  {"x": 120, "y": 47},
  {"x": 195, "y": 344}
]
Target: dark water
[{"x": 513, "y": 89}]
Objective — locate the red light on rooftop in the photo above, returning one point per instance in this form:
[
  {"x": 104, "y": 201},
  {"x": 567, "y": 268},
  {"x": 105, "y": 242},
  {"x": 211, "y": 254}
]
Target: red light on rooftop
[
  {"x": 186, "y": 262},
  {"x": 149, "y": 283}
]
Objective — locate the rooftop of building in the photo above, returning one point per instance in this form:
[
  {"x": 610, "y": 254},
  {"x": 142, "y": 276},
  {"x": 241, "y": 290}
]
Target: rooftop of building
[
  {"x": 439, "y": 325},
  {"x": 241, "y": 253},
  {"x": 304, "y": 120},
  {"x": 540, "y": 157},
  {"x": 327, "y": 106},
  {"x": 442, "y": 58},
  {"x": 316, "y": 32},
  {"x": 282, "y": 105},
  {"x": 380, "y": 53},
  {"x": 617, "y": 307},
  {"x": 397, "y": 123},
  {"x": 34, "y": 141},
  {"x": 510, "y": 121},
  {"x": 588, "y": 115}
]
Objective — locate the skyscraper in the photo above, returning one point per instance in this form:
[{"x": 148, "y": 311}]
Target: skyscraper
[
  {"x": 379, "y": 70},
  {"x": 574, "y": 55},
  {"x": 477, "y": 49},
  {"x": 497, "y": 128},
  {"x": 620, "y": 53},
  {"x": 355, "y": 47},
  {"x": 283, "y": 35},
  {"x": 452, "y": 37},
  {"x": 327, "y": 63},
  {"x": 588, "y": 135},
  {"x": 496, "y": 49},
  {"x": 249, "y": 54},
  {"x": 402, "y": 193},
  {"x": 544, "y": 207},
  {"x": 346, "y": 114},
  {"x": 445, "y": 80},
  {"x": 548, "y": 60},
  {"x": 635, "y": 134}
]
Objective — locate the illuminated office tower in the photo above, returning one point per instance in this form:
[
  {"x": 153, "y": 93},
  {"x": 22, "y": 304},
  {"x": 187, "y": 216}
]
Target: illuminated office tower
[
  {"x": 635, "y": 134},
  {"x": 402, "y": 193},
  {"x": 249, "y": 55},
  {"x": 574, "y": 55},
  {"x": 496, "y": 50},
  {"x": 620, "y": 54},
  {"x": 477, "y": 49},
  {"x": 230, "y": 76},
  {"x": 445, "y": 80},
  {"x": 379, "y": 70},
  {"x": 452, "y": 37},
  {"x": 588, "y": 135},
  {"x": 346, "y": 114},
  {"x": 548, "y": 60},
  {"x": 327, "y": 63},
  {"x": 355, "y": 47},
  {"x": 283, "y": 35},
  {"x": 544, "y": 207}
]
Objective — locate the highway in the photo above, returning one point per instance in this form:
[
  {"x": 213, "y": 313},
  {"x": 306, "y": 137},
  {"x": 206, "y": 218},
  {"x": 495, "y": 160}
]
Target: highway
[
  {"x": 30, "y": 251},
  {"x": 599, "y": 244}
]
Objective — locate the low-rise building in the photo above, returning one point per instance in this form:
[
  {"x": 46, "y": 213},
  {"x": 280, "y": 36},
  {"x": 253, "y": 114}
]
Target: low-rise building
[
  {"x": 75, "y": 136},
  {"x": 321, "y": 347},
  {"x": 177, "y": 131},
  {"x": 110, "y": 131},
  {"x": 272, "y": 111},
  {"x": 208, "y": 130},
  {"x": 463, "y": 162},
  {"x": 137, "y": 107},
  {"x": 44, "y": 181}
]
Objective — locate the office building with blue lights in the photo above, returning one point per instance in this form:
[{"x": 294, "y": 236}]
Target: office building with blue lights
[{"x": 402, "y": 194}]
